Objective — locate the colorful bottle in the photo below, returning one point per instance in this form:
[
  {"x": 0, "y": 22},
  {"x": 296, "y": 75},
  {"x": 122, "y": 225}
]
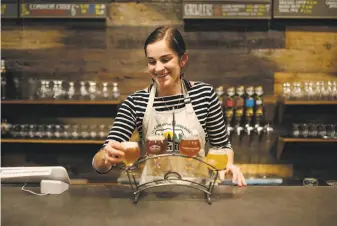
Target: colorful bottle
[
  {"x": 249, "y": 109},
  {"x": 229, "y": 107}
]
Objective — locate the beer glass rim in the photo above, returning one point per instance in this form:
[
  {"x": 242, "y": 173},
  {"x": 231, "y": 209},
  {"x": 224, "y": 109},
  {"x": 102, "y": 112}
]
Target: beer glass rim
[
  {"x": 218, "y": 149},
  {"x": 192, "y": 137},
  {"x": 130, "y": 144},
  {"x": 156, "y": 137}
]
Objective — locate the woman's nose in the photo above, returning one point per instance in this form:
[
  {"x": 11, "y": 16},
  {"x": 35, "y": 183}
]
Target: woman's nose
[{"x": 159, "y": 67}]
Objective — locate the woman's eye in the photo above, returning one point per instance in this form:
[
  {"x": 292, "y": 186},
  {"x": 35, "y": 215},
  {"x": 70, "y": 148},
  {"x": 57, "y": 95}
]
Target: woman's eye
[
  {"x": 152, "y": 62},
  {"x": 165, "y": 60}
]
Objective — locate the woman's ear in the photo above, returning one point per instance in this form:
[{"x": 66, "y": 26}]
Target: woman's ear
[{"x": 183, "y": 60}]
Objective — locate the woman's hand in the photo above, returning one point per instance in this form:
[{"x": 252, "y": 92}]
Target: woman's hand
[
  {"x": 238, "y": 178},
  {"x": 113, "y": 153}
]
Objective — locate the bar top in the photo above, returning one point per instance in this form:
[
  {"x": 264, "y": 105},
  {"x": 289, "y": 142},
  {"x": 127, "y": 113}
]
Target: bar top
[{"x": 89, "y": 205}]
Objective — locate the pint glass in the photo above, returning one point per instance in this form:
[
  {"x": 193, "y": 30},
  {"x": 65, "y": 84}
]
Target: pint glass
[{"x": 131, "y": 152}]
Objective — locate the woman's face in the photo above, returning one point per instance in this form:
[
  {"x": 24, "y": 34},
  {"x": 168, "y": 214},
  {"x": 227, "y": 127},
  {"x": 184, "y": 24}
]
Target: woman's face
[{"x": 164, "y": 64}]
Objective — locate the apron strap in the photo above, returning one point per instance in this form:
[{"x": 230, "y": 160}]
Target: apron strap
[{"x": 149, "y": 106}]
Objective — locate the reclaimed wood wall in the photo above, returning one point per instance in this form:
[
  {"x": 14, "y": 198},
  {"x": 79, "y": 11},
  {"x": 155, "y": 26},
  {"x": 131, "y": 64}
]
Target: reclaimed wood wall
[{"x": 113, "y": 50}]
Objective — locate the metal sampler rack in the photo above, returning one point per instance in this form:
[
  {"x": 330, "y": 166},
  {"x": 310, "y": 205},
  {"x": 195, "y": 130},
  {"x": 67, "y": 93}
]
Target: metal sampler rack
[{"x": 172, "y": 178}]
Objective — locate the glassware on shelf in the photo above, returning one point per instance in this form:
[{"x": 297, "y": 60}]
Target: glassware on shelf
[
  {"x": 92, "y": 90},
  {"x": 296, "y": 130},
  {"x": 325, "y": 91},
  {"x": 32, "y": 132},
  {"x": 71, "y": 91},
  {"x": 321, "y": 129},
  {"x": 317, "y": 91},
  {"x": 84, "y": 94},
  {"x": 286, "y": 90},
  {"x": 93, "y": 132},
  {"x": 66, "y": 131},
  {"x": 105, "y": 91},
  {"x": 334, "y": 90},
  {"x": 115, "y": 91},
  {"x": 312, "y": 130},
  {"x": 58, "y": 133},
  {"x": 297, "y": 93},
  {"x": 50, "y": 131},
  {"x": 102, "y": 134},
  {"x": 84, "y": 132},
  {"x": 330, "y": 131},
  {"x": 304, "y": 132},
  {"x": 15, "y": 131},
  {"x": 75, "y": 132}
]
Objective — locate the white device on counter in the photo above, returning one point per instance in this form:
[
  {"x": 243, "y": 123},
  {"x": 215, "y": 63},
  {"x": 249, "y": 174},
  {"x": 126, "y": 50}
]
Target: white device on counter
[{"x": 52, "y": 179}]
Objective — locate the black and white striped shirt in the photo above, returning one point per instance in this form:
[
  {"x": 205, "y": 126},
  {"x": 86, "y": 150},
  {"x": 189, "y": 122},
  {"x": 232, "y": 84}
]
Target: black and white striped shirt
[{"x": 204, "y": 101}]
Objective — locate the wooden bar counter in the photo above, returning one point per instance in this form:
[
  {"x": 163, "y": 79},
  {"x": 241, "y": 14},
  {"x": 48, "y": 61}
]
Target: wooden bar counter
[{"x": 89, "y": 205}]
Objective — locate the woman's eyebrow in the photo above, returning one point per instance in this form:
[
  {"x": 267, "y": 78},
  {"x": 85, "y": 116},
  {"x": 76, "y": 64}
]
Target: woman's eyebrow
[{"x": 167, "y": 55}]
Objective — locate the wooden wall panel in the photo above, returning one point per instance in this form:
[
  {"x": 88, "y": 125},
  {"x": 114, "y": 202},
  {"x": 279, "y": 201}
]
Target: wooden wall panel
[{"x": 224, "y": 57}]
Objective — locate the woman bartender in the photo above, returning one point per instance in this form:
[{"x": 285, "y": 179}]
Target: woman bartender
[{"x": 195, "y": 105}]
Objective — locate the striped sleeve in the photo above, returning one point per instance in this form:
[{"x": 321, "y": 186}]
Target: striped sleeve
[
  {"x": 124, "y": 123},
  {"x": 215, "y": 123}
]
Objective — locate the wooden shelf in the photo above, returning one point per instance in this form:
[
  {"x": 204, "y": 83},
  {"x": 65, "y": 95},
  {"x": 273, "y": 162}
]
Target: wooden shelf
[
  {"x": 282, "y": 141},
  {"x": 306, "y": 140},
  {"x": 61, "y": 102},
  {"x": 38, "y": 141},
  {"x": 310, "y": 102}
]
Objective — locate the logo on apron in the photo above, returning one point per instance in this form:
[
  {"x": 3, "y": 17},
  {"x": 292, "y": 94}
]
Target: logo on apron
[{"x": 166, "y": 130}]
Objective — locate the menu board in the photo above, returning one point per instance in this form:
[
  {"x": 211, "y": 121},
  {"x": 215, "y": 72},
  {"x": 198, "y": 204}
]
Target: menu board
[
  {"x": 222, "y": 9},
  {"x": 63, "y": 10},
  {"x": 306, "y": 9},
  {"x": 9, "y": 9}
]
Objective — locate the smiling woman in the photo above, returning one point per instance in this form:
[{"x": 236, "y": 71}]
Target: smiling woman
[
  {"x": 166, "y": 53},
  {"x": 172, "y": 107}
]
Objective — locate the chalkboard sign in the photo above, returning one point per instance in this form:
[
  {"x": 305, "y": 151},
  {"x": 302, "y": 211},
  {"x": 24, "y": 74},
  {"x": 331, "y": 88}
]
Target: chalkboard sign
[
  {"x": 222, "y": 9},
  {"x": 9, "y": 9},
  {"x": 309, "y": 9},
  {"x": 63, "y": 10}
]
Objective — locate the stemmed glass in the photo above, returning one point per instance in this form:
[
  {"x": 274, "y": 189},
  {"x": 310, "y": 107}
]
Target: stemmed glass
[
  {"x": 131, "y": 152},
  {"x": 322, "y": 131},
  {"x": 296, "y": 130},
  {"x": 312, "y": 130},
  {"x": 190, "y": 146},
  {"x": 156, "y": 145}
]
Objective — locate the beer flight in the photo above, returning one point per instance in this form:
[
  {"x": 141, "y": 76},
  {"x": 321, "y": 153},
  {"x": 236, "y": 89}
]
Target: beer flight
[{"x": 189, "y": 147}]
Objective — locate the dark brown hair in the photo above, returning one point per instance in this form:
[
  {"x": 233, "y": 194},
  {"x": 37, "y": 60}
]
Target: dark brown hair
[{"x": 173, "y": 38}]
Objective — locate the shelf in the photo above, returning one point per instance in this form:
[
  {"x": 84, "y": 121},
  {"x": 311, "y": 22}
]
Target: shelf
[
  {"x": 38, "y": 141},
  {"x": 306, "y": 140},
  {"x": 310, "y": 102},
  {"x": 61, "y": 102},
  {"x": 282, "y": 141}
]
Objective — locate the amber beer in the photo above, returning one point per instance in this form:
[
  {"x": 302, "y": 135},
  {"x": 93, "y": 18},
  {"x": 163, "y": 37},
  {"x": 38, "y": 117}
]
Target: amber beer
[
  {"x": 131, "y": 152},
  {"x": 190, "y": 146},
  {"x": 218, "y": 158},
  {"x": 156, "y": 145}
]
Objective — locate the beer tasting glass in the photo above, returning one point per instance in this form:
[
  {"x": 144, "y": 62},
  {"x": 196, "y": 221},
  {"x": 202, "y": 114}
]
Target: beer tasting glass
[
  {"x": 131, "y": 152},
  {"x": 189, "y": 146},
  {"x": 156, "y": 145},
  {"x": 218, "y": 158}
]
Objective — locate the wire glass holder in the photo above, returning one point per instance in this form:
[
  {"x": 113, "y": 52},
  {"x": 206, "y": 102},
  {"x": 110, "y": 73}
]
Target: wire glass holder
[{"x": 171, "y": 178}]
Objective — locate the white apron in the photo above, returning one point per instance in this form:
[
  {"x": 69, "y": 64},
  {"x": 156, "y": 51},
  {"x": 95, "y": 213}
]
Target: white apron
[{"x": 160, "y": 123}]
